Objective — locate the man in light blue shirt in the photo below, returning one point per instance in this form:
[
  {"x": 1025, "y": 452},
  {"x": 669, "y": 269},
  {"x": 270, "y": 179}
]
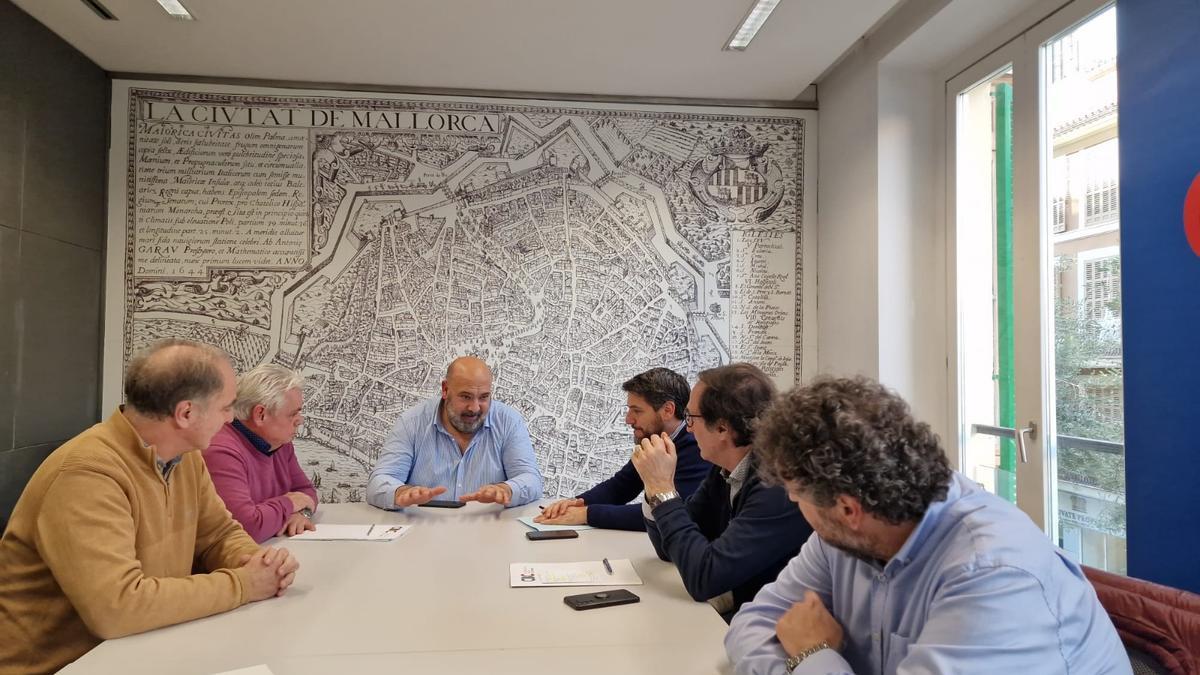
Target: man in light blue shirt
[
  {"x": 912, "y": 568},
  {"x": 462, "y": 444}
]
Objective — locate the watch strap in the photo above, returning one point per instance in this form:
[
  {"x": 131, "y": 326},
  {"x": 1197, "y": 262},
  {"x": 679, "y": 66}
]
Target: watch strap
[
  {"x": 794, "y": 661},
  {"x": 655, "y": 499}
]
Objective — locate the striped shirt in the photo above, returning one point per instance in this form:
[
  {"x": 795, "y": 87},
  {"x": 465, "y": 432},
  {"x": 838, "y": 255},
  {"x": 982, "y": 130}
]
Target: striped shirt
[{"x": 420, "y": 451}]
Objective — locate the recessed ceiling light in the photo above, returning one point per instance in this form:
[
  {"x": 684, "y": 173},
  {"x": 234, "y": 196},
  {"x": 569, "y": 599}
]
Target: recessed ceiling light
[
  {"x": 176, "y": 9},
  {"x": 754, "y": 20}
]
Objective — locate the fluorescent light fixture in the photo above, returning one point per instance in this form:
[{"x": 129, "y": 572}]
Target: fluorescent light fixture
[
  {"x": 176, "y": 9},
  {"x": 754, "y": 20}
]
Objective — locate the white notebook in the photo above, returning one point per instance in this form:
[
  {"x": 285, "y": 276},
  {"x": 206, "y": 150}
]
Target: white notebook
[
  {"x": 330, "y": 532},
  {"x": 588, "y": 573}
]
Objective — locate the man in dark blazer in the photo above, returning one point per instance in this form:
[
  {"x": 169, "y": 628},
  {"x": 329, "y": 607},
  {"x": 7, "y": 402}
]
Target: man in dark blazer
[
  {"x": 734, "y": 534},
  {"x": 656, "y": 400}
]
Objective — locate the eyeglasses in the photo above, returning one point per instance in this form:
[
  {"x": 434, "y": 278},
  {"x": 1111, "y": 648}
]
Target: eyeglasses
[{"x": 687, "y": 417}]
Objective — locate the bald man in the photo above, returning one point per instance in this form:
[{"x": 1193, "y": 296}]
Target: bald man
[
  {"x": 461, "y": 445},
  {"x": 108, "y": 533}
]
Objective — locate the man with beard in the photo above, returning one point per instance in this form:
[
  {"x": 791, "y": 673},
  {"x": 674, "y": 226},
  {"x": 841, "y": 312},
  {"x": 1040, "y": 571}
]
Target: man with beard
[
  {"x": 915, "y": 568},
  {"x": 735, "y": 533},
  {"x": 655, "y": 404},
  {"x": 462, "y": 445}
]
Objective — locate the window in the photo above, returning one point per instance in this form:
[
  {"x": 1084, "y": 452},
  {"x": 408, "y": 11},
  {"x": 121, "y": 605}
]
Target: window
[
  {"x": 1102, "y": 202},
  {"x": 1064, "y": 58},
  {"x": 1101, "y": 288},
  {"x": 1061, "y": 195},
  {"x": 1035, "y": 200}
]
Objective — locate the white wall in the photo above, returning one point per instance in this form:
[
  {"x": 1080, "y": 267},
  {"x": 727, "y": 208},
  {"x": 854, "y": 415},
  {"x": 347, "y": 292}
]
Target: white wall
[
  {"x": 881, "y": 290},
  {"x": 912, "y": 243},
  {"x": 847, "y": 264}
]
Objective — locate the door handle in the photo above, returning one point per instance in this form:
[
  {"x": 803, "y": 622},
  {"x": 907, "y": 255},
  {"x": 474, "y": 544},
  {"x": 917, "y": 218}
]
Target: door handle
[{"x": 1022, "y": 440}]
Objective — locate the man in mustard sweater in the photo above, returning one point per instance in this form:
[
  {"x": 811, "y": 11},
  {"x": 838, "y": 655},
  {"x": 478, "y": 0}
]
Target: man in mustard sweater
[{"x": 102, "y": 542}]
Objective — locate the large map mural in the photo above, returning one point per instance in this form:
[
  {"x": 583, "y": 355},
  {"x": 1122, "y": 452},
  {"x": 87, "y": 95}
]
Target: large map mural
[{"x": 367, "y": 239}]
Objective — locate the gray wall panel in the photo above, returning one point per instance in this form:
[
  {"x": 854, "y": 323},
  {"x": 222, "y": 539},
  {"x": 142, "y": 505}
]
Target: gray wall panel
[
  {"x": 12, "y": 150},
  {"x": 63, "y": 187},
  {"x": 53, "y": 142},
  {"x": 59, "y": 350}
]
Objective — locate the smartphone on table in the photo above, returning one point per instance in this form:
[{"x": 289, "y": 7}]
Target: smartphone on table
[
  {"x": 617, "y": 596},
  {"x": 444, "y": 504},
  {"x": 540, "y": 535}
]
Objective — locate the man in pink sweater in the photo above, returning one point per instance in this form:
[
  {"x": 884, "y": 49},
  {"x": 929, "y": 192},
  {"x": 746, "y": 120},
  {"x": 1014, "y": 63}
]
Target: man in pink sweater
[{"x": 253, "y": 462}]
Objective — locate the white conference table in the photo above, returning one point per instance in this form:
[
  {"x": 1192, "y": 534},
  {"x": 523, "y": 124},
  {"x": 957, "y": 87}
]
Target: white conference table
[{"x": 438, "y": 600}]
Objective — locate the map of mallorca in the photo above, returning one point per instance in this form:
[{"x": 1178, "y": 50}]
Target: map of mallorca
[{"x": 368, "y": 241}]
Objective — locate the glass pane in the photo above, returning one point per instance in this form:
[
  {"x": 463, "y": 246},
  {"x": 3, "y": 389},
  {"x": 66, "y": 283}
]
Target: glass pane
[
  {"x": 985, "y": 284},
  {"x": 1080, "y": 90}
]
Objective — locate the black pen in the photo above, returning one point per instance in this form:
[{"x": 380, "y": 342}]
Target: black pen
[{"x": 607, "y": 567}]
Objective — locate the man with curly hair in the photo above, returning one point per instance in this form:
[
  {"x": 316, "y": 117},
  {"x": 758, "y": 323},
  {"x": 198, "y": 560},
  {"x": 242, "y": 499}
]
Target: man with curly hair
[{"x": 915, "y": 568}]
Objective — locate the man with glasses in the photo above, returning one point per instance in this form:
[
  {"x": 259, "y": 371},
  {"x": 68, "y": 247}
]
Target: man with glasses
[
  {"x": 734, "y": 534},
  {"x": 656, "y": 401}
]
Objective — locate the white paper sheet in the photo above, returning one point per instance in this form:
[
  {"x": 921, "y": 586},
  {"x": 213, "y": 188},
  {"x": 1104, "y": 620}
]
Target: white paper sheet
[
  {"x": 588, "y": 573},
  {"x": 330, "y": 532}
]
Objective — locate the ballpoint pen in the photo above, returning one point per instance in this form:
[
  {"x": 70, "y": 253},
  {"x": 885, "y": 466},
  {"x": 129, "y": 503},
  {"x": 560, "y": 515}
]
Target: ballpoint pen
[{"x": 607, "y": 567}]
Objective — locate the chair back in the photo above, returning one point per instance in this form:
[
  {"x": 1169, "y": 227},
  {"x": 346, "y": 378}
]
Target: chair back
[{"x": 1159, "y": 625}]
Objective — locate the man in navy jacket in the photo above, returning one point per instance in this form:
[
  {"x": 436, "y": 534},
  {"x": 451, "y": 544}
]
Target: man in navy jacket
[
  {"x": 735, "y": 533},
  {"x": 656, "y": 402}
]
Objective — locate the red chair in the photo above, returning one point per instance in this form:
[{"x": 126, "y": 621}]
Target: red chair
[{"x": 1159, "y": 625}]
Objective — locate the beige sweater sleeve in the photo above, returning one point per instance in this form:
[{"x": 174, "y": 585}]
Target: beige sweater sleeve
[
  {"x": 221, "y": 541},
  {"x": 86, "y": 537}
]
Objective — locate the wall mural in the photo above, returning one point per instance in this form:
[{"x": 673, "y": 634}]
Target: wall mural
[{"x": 367, "y": 239}]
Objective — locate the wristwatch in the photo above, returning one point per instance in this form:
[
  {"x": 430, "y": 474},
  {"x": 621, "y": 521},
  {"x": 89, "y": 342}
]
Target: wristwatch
[
  {"x": 655, "y": 499},
  {"x": 794, "y": 661},
  {"x": 306, "y": 512}
]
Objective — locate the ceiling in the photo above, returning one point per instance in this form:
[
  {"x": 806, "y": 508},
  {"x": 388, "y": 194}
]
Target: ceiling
[{"x": 637, "y": 48}]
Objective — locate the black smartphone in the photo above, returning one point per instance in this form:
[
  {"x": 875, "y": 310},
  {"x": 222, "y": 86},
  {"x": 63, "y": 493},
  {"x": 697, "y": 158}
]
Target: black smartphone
[
  {"x": 444, "y": 504},
  {"x": 618, "y": 596},
  {"x": 539, "y": 535}
]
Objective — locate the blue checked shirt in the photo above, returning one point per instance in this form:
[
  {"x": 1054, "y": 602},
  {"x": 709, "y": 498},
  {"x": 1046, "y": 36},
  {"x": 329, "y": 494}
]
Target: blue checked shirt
[
  {"x": 977, "y": 588},
  {"x": 420, "y": 451}
]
